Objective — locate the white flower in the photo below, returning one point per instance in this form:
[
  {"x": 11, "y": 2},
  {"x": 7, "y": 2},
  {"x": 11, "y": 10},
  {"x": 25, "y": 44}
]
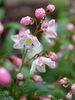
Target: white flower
[
  {"x": 49, "y": 29},
  {"x": 39, "y": 64},
  {"x": 24, "y": 38}
]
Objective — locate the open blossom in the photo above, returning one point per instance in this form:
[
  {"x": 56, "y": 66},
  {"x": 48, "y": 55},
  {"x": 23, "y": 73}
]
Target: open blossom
[
  {"x": 26, "y": 20},
  {"x": 31, "y": 42},
  {"x": 26, "y": 40},
  {"x": 39, "y": 64},
  {"x": 5, "y": 77},
  {"x": 49, "y": 29}
]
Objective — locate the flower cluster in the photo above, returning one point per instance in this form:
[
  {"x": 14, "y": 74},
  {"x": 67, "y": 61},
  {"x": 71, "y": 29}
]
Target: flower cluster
[{"x": 29, "y": 41}]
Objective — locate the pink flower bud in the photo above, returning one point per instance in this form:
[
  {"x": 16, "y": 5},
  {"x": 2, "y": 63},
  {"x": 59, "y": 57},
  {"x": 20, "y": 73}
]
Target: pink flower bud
[
  {"x": 63, "y": 81},
  {"x": 73, "y": 38},
  {"x": 53, "y": 56},
  {"x": 23, "y": 98},
  {"x": 16, "y": 61},
  {"x": 20, "y": 76},
  {"x": 40, "y": 13},
  {"x": 62, "y": 48},
  {"x": 73, "y": 88},
  {"x": 5, "y": 77},
  {"x": 71, "y": 47},
  {"x": 1, "y": 28},
  {"x": 70, "y": 27},
  {"x": 37, "y": 78},
  {"x": 44, "y": 98},
  {"x": 50, "y": 8},
  {"x": 69, "y": 96},
  {"x": 26, "y": 20}
]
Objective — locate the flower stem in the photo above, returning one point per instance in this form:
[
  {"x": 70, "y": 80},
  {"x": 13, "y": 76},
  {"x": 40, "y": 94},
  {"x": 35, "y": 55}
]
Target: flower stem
[{"x": 23, "y": 58}]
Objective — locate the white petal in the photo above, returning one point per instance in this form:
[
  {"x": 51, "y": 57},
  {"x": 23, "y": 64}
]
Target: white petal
[
  {"x": 33, "y": 51},
  {"x": 17, "y": 46},
  {"x": 36, "y": 42},
  {"x": 15, "y": 38},
  {"x": 41, "y": 68},
  {"x": 33, "y": 68},
  {"x": 52, "y": 23},
  {"x": 51, "y": 34},
  {"x": 49, "y": 62},
  {"x": 44, "y": 25}
]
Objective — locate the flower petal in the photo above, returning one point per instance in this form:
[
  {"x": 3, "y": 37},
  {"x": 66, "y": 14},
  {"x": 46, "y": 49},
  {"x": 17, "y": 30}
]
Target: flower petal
[
  {"x": 15, "y": 38},
  {"x": 33, "y": 51},
  {"x": 17, "y": 46},
  {"x": 36, "y": 42},
  {"x": 52, "y": 23},
  {"x": 49, "y": 62},
  {"x": 41, "y": 68},
  {"x": 33, "y": 68},
  {"x": 51, "y": 34}
]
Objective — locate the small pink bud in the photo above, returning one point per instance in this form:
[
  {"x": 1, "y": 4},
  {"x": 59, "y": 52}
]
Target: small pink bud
[
  {"x": 37, "y": 78},
  {"x": 50, "y": 8},
  {"x": 44, "y": 98},
  {"x": 20, "y": 76},
  {"x": 26, "y": 20},
  {"x": 71, "y": 47},
  {"x": 73, "y": 88},
  {"x": 62, "y": 48},
  {"x": 15, "y": 60},
  {"x": 63, "y": 81},
  {"x": 40, "y": 13},
  {"x": 73, "y": 38},
  {"x": 69, "y": 96},
  {"x": 1, "y": 28},
  {"x": 53, "y": 56},
  {"x": 5, "y": 77},
  {"x": 70, "y": 27},
  {"x": 23, "y": 98}
]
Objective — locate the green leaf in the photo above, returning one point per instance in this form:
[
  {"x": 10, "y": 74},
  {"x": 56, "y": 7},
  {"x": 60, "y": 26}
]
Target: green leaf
[
  {"x": 13, "y": 25},
  {"x": 9, "y": 98},
  {"x": 2, "y": 96},
  {"x": 2, "y": 13},
  {"x": 25, "y": 71},
  {"x": 8, "y": 46}
]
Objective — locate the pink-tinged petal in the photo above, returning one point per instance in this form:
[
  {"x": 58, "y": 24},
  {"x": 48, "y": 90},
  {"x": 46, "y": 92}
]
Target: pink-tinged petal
[
  {"x": 17, "y": 46},
  {"x": 52, "y": 23},
  {"x": 44, "y": 25},
  {"x": 36, "y": 42},
  {"x": 40, "y": 64},
  {"x": 24, "y": 32},
  {"x": 49, "y": 62},
  {"x": 51, "y": 34},
  {"x": 15, "y": 38}
]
